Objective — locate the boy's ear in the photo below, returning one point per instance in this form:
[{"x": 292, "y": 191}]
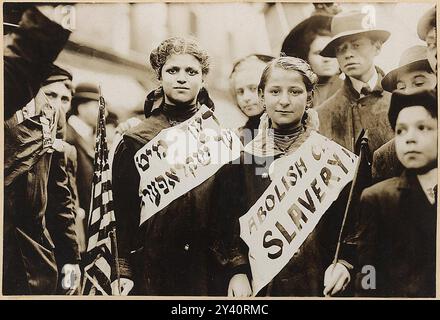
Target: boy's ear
[{"x": 377, "y": 44}]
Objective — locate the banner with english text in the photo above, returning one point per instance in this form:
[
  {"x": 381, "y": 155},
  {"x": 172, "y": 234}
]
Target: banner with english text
[{"x": 303, "y": 187}]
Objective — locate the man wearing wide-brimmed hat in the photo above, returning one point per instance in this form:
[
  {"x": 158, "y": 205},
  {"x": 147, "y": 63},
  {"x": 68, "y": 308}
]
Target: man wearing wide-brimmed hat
[
  {"x": 413, "y": 74},
  {"x": 361, "y": 103},
  {"x": 80, "y": 132},
  {"x": 427, "y": 31}
]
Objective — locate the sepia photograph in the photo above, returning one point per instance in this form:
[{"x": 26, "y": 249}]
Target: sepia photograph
[{"x": 224, "y": 150}]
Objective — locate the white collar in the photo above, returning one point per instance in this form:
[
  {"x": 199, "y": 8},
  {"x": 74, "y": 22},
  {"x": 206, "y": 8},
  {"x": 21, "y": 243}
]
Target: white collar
[
  {"x": 358, "y": 84},
  {"x": 82, "y": 128}
]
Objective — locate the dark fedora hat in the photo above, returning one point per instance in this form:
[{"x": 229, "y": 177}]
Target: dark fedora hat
[
  {"x": 86, "y": 91},
  {"x": 348, "y": 24},
  {"x": 414, "y": 58},
  {"x": 399, "y": 101},
  {"x": 426, "y": 22},
  {"x": 294, "y": 44}
]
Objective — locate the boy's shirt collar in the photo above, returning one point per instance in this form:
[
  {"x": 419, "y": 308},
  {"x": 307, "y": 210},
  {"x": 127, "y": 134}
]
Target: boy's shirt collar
[{"x": 358, "y": 85}]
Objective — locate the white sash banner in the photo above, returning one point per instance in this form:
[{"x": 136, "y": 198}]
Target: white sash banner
[
  {"x": 180, "y": 158},
  {"x": 303, "y": 187}
]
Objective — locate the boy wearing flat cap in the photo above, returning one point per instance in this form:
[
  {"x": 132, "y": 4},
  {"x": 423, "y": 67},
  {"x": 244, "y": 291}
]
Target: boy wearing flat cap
[
  {"x": 361, "y": 103},
  {"x": 413, "y": 74},
  {"x": 396, "y": 234}
]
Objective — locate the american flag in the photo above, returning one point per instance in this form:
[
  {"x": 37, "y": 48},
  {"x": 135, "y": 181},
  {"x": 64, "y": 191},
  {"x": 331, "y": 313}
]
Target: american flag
[{"x": 101, "y": 268}]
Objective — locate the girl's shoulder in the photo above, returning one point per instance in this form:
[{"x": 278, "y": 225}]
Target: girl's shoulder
[{"x": 147, "y": 129}]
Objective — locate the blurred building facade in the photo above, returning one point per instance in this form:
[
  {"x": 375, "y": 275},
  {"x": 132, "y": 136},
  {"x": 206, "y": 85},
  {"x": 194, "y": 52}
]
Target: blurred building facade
[{"x": 111, "y": 42}]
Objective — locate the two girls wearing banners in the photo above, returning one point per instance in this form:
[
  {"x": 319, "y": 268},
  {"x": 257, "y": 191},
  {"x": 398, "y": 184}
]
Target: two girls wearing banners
[{"x": 191, "y": 245}]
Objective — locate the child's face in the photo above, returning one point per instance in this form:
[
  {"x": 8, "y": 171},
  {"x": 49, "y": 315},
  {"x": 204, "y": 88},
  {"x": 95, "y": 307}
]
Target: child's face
[
  {"x": 416, "y": 137},
  {"x": 246, "y": 81},
  {"x": 285, "y": 97},
  {"x": 322, "y": 66},
  {"x": 356, "y": 55},
  {"x": 410, "y": 81},
  {"x": 181, "y": 78}
]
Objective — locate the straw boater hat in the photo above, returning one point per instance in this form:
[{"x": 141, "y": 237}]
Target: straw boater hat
[
  {"x": 348, "y": 24},
  {"x": 413, "y": 58},
  {"x": 426, "y": 22}
]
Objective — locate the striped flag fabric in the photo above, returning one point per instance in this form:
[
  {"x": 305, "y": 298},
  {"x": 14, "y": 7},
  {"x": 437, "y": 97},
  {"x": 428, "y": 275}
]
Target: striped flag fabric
[{"x": 101, "y": 269}]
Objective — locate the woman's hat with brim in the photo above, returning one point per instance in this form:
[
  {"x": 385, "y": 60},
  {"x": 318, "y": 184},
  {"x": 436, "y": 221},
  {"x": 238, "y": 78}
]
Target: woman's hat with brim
[
  {"x": 426, "y": 22},
  {"x": 348, "y": 24},
  {"x": 399, "y": 101},
  {"x": 296, "y": 35},
  {"x": 412, "y": 59}
]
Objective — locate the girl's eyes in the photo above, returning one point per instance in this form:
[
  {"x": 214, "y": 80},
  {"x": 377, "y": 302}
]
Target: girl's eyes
[
  {"x": 295, "y": 92},
  {"x": 192, "y": 72}
]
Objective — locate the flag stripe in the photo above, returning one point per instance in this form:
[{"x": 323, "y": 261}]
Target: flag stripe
[{"x": 100, "y": 270}]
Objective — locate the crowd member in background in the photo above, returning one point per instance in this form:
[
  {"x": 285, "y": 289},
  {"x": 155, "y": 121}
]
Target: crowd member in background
[
  {"x": 135, "y": 118},
  {"x": 244, "y": 80},
  {"x": 361, "y": 103},
  {"x": 413, "y": 74},
  {"x": 306, "y": 41},
  {"x": 171, "y": 253},
  {"x": 396, "y": 233},
  {"x": 81, "y": 126},
  {"x": 111, "y": 124},
  {"x": 427, "y": 31},
  {"x": 31, "y": 169},
  {"x": 69, "y": 243}
]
